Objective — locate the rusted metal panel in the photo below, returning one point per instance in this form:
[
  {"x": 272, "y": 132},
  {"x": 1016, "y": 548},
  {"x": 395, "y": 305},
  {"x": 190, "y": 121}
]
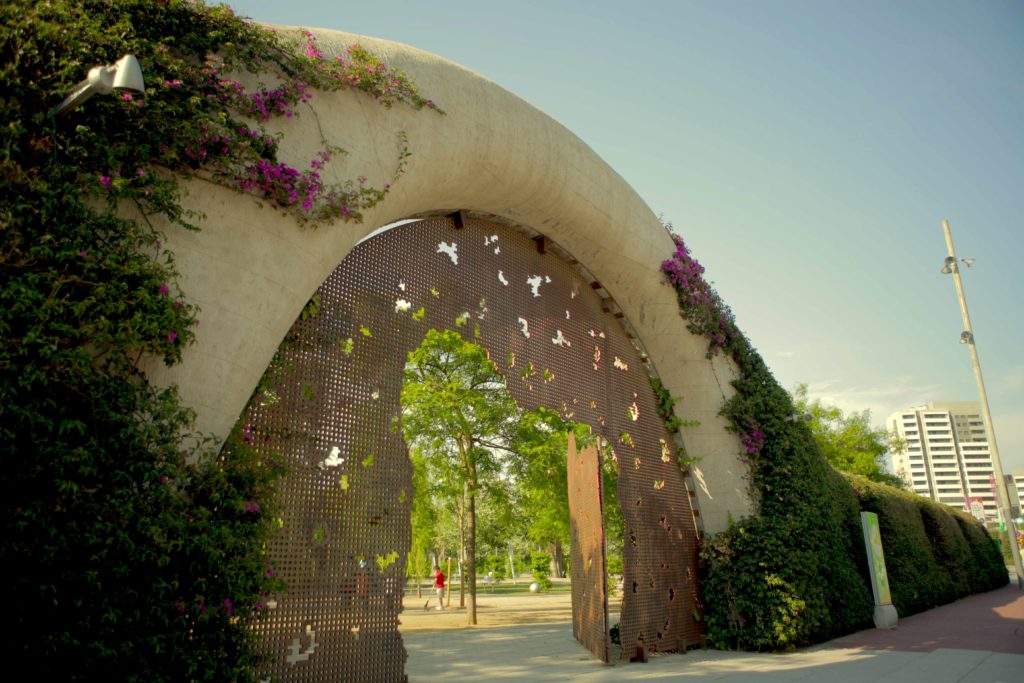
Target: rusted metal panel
[
  {"x": 587, "y": 568},
  {"x": 333, "y": 414}
]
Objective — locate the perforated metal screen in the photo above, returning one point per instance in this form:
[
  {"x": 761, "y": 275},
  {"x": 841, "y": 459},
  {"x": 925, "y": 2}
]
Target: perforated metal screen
[{"x": 333, "y": 414}]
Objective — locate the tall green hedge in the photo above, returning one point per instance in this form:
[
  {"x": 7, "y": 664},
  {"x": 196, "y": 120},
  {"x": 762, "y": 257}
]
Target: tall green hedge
[
  {"x": 795, "y": 573},
  {"x": 933, "y": 553}
]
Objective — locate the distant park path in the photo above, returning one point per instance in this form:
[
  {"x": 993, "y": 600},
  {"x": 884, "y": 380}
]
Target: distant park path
[{"x": 493, "y": 609}]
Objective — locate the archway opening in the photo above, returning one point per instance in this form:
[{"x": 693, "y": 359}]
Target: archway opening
[{"x": 490, "y": 477}]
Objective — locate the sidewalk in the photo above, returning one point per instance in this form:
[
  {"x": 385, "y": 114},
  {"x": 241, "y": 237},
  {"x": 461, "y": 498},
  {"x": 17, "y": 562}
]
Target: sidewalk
[{"x": 976, "y": 640}]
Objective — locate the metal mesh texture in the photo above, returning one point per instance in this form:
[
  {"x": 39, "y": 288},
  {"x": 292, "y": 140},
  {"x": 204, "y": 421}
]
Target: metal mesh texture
[
  {"x": 332, "y": 413},
  {"x": 587, "y": 569}
]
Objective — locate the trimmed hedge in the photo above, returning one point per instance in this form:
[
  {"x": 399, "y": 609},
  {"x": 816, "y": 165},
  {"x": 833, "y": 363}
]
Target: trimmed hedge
[{"x": 933, "y": 553}]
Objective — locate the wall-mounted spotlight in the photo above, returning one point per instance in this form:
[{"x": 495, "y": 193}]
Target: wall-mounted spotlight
[{"x": 124, "y": 75}]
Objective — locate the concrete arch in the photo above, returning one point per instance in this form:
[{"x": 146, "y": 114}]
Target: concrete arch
[{"x": 252, "y": 269}]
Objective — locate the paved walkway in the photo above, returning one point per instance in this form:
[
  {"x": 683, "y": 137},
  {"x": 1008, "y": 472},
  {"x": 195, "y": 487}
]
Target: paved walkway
[{"x": 976, "y": 640}]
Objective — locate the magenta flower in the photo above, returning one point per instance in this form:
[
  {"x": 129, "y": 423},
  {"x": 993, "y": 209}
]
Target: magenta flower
[
  {"x": 171, "y": 337},
  {"x": 127, "y": 97},
  {"x": 163, "y": 287},
  {"x": 753, "y": 442},
  {"x": 229, "y": 606},
  {"x": 105, "y": 181}
]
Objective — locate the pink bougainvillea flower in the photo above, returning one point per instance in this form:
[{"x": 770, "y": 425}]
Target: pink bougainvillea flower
[{"x": 171, "y": 337}]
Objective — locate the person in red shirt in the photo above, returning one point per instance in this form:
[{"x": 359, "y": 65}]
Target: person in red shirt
[{"x": 439, "y": 586}]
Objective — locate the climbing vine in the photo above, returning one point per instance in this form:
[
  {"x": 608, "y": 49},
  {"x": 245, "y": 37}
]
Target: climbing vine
[
  {"x": 134, "y": 547},
  {"x": 795, "y": 572},
  {"x": 665, "y": 405}
]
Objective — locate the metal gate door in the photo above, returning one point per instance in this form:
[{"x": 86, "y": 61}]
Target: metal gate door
[
  {"x": 331, "y": 412},
  {"x": 587, "y": 570}
]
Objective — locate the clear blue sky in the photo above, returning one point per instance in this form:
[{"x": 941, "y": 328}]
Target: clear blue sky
[{"x": 807, "y": 151}]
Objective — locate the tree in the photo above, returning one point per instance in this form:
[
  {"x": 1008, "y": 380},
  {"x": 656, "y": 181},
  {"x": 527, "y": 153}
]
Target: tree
[
  {"x": 423, "y": 521},
  {"x": 849, "y": 442},
  {"x": 540, "y": 446},
  {"x": 458, "y": 412}
]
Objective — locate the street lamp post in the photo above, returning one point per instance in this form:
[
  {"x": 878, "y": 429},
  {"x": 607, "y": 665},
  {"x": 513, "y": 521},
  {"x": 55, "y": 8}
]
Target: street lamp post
[{"x": 967, "y": 337}]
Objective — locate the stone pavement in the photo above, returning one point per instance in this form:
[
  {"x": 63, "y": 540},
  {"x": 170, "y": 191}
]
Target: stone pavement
[{"x": 979, "y": 639}]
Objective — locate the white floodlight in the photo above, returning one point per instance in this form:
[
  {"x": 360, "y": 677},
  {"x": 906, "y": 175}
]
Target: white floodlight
[{"x": 124, "y": 75}]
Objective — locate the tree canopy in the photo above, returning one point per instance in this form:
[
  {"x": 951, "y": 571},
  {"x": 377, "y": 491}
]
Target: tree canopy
[
  {"x": 486, "y": 473},
  {"x": 458, "y": 413},
  {"x": 849, "y": 442}
]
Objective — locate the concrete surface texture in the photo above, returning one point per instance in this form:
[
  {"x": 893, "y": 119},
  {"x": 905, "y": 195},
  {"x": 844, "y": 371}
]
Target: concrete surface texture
[
  {"x": 976, "y": 640},
  {"x": 251, "y": 269}
]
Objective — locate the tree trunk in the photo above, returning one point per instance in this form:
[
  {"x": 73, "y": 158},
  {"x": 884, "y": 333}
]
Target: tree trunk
[
  {"x": 469, "y": 571},
  {"x": 462, "y": 549},
  {"x": 557, "y": 559}
]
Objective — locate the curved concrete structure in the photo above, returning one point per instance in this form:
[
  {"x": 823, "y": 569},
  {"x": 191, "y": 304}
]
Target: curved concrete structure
[{"x": 252, "y": 269}]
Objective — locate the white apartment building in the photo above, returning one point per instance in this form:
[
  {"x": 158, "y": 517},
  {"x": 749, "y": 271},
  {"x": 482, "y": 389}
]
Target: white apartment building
[
  {"x": 1015, "y": 487},
  {"x": 947, "y": 455}
]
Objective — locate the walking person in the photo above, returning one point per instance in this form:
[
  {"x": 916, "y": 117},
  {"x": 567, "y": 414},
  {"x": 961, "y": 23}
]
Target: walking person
[{"x": 439, "y": 578}]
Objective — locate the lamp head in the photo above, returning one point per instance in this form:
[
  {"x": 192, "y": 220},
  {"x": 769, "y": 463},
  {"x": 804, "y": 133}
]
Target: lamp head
[
  {"x": 950, "y": 261},
  {"x": 128, "y": 75},
  {"x": 125, "y": 75},
  {"x": 966, "y": 337},
  {"x": 968, "y": 262}
]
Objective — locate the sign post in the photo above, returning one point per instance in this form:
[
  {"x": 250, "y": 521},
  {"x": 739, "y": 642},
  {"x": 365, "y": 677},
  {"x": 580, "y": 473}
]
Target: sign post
[{"x": 885, "y": 612}]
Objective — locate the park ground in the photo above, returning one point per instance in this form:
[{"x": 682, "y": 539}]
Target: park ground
[
  {"x": 528, "y": 637},
  {"x": 504, "y": 604}
]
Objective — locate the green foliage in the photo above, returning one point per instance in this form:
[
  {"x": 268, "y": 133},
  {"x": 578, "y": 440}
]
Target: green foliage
[
  {"x": 457, "y": 411},
  {"x": 796, "y": 573},
  {"x": 933, "y": 553},
  {"x": 538, "y": 468},
  {"x": 665, "y": 404},
  {"x": 495, "y": 565},
  {"x": 792, "y": 575},
  {"x": 134, "y": 549},
  {"x": 849, "y": 442},
  {"x": 424, "y": 518},
  {"x": 540, "y": 567}
]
